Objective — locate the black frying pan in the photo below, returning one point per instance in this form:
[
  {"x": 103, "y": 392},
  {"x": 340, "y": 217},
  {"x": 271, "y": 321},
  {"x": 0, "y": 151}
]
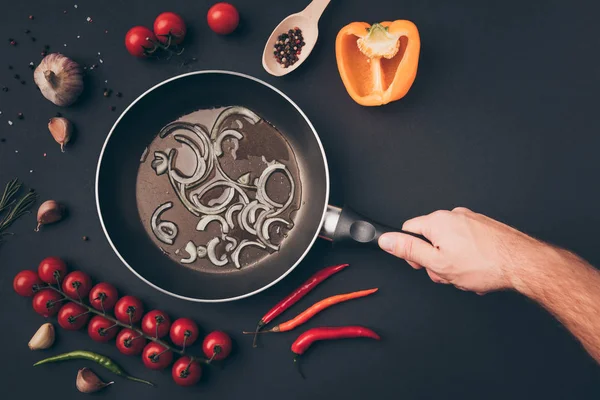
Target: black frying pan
[{"x": 139, "y": 124}]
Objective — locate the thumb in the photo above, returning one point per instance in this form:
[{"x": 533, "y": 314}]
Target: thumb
[{"x": 409, "y": 248}]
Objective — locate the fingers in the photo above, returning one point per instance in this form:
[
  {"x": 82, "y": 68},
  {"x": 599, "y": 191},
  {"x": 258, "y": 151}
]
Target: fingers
[
  {"x": 436, "y": 278},
  {"x": 418, "y": 225},
  {"x": 409, "y": 248},
  {"x": 414, "y": 264},
  {"x": 462, "y": 210}
]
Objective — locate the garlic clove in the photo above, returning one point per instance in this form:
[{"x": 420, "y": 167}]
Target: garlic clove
[
  {"x": 61, "y": 130},
  {"x": 49, "y": 212},
  {"x": 88, "y": 382},
  {"x": 59, "y": 78},
  {"x": 43, "y": 338}
]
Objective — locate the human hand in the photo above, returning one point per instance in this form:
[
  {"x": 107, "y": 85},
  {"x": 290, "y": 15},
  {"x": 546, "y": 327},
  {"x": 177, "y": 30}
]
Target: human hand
[{"x": 468, "y": 250}]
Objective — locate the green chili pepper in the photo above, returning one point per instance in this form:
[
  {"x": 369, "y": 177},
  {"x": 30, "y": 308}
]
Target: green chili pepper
[{"x": 97, "y": 358}]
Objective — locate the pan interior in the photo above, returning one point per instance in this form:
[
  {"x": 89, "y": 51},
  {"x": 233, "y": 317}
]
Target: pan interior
[
  {"x": 218, "y": 189},
  {"x": 120, "y": 160}
]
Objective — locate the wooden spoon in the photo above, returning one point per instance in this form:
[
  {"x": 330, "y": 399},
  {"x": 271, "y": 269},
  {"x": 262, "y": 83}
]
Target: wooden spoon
[{"x": 308, "y": 21}]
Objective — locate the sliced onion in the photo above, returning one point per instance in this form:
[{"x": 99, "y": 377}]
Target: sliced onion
[
  {"x": 217, "y": 209},
  {"x": 236, "y": 254},
  {"x": 201, "y": 251},
  {"x": 261, "y": 193},
  {"x": 232, "y": 243},
  {"x": 190, "y": 248},
  {"x": 269, "y": 221},
  {"x": 229, "y": 214},
  {"x": 212, "y": 253},
  {"x": 242, "y": 111},
  {"x": 222, "y": 198},
  {"x": 165, "y": 231},
  {"x": 207, "y": 219},
  {"x": 259, "y": 231},
  {"x": 223, "y": 135},
  {"x": 160, "y": 164},
  {"x": 200, "y": 169},
  {"x": 144, "y": 155}
]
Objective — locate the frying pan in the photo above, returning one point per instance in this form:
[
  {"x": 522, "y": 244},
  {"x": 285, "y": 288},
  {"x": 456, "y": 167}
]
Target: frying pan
[{"x": 138, "y": 125}]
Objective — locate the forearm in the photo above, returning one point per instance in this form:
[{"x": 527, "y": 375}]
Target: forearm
[{"x": 569, "y": 288}]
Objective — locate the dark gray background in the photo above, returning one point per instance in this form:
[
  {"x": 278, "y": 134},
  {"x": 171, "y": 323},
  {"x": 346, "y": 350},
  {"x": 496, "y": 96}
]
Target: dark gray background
[{"x": 502, "y": 118}]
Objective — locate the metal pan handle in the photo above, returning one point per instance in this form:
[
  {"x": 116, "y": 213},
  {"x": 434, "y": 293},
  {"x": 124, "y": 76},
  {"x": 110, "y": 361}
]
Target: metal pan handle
[{"x": 345, "y": 226}]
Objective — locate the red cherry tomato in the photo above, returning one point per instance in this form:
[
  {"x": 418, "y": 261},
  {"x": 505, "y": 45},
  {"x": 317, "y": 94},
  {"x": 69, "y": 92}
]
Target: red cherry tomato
[
  {"x": 77, "y": 285},
  {"x": 154, "y": 356},
  {"x": 186, "y": 372},
  {"x": 129, "y": 307},
  {"x": 71, "y": 317},
  {"x": 25, "y": 283},
  {"x": 156, "y": 324},
  {"x": 184, "y": 332},
  {"x": 101, "y": 329},
  {"x": 129, "y": 342},
  {"x": 223, "y": 18},
  {"x": 44, "y": 302},
  {"x": 103, "y": 296},
  {"x": 52, "y": 268},
  {"x": 139, "y": 40},
  {"x": 217, "y": 345},
  {"x": 169, "y": 23}
]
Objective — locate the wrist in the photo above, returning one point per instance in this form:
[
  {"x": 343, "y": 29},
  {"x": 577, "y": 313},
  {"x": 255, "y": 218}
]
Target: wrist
[{"x": 539, "y": 263}]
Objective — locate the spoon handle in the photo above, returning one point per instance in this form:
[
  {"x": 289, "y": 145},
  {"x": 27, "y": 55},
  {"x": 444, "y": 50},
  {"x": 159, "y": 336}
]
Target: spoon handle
[{"x": 315, "y": 9}]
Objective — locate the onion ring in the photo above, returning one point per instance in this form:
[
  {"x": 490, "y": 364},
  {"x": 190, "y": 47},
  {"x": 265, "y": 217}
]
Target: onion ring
[
  {"x": 165, "y": 231},
  {"x": 212, "y": 254},
  {"x": 236, "y": 254},
  {"x": 207, "y": 219}
]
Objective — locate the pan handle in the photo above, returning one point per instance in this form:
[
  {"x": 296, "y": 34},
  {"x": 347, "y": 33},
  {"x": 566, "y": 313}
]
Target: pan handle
[{"x": 345, "y": 226}]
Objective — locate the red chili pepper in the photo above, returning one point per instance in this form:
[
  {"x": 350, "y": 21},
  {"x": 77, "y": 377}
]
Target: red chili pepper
[
  {"x": 315, "y": 309},
  {"x": 305, "y": 340},
  {"x": 296, "y": 295}
]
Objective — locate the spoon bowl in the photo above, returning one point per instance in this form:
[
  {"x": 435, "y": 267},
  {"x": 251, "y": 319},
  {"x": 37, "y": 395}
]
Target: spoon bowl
[{"x": 308, "y": 22}]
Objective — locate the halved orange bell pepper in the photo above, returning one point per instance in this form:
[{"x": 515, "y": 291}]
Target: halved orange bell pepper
[{"x": 378, "y": 63}]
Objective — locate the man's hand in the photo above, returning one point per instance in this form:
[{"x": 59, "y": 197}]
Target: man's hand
[
  {"x": 468, "y": 250},
  {"x": 474, "y": 252}
]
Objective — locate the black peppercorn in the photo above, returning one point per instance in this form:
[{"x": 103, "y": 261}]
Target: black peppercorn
[
  {"x": 17, "y": 76},
  {"x": 23, "y": 82},
  {"x": 20, "y": 115},
  {"x": 113, "y": 108},
  {"x": 119, "y": 94},
  {"x": 27, "y": 31},
  {"x": 32, "y": 39},
  {"x": 4, "y": 89},
  {"x": 2, "y": 140}
]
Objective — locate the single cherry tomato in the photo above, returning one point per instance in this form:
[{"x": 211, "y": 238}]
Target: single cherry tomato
[
  {"x": 169, "y": 24},
  {"x": 46, "y": 302},
  {"x": 101, "y": 329},
  {"x": 217, "y": 345},
  {"x": 186, "y": 372},
  {"x": 130, "y": 343},
  {"x": 156, "y": 324},
  {"x": 184, "y": 332},
  {"x": 77, "y": 285},
  {"x": 139, "y": 41},
  {"x": 52, "y": 270},
  {"x": 103, "y": 296},
  {"x": 26, "y": 283},
  {"x": 156, "y": 356},
  {"x": 223, "y": 18},
  {"x": 73, "y": 316},
  {"x": 129, "y": 310}
]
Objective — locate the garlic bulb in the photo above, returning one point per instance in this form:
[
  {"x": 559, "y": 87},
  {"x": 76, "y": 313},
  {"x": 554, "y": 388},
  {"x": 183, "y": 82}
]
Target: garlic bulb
[
  {"x": 43, "y": 338},
  {"x": 59, "y": 78},
  {"x": 88, "y": 382}
]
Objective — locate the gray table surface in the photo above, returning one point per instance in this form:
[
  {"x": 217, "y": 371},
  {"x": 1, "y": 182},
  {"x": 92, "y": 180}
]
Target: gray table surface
[{"x": 502, "y": 118}]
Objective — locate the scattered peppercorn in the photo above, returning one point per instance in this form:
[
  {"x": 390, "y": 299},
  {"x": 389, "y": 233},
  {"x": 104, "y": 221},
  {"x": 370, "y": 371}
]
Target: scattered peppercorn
[
  {"x": 43, "y": 53},
  {"x": 119, "y": 94},
  {"x": 58, "y": 115},
  {"x": 85, "y": 238},
  {"x": 107, "y": 92},
  {"x": 4, "y": 89},
  {"x": 13, "y": 42},
  {"x": 27, "y": 31},
  {"x": 32, "y": 39},
  {"x": 2, "y": 140},
  {"x": 23, "y": 82},
  {"x": 17, "y": 76},
  {"x": 31, "y": 17},
  {"x": 10, "y": 67},
  {"x": 288, "y": 47},
  {"x": 113, "y": 108},
  {"x": 20, "y": 115}
]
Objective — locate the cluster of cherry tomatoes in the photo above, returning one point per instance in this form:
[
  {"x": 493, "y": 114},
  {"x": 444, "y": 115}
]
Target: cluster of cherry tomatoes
[
  {"x": 170, "y": 30},
  {"x": 128, "y": 311}
]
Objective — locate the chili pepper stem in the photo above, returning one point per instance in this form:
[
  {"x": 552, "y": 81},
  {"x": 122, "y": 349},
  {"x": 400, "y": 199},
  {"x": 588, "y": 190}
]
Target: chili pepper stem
[
  {"x": 272, "y": 330},
  {"x": 119, "y": 323},
  {"x": 259, "y": 326},
  {"x": 298, "y": 368}
]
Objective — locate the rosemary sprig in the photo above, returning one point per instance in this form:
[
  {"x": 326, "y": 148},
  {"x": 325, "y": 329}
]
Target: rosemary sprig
[
  {"x": 10, "y": 190},
  {"x": 16, "y": 208}
]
